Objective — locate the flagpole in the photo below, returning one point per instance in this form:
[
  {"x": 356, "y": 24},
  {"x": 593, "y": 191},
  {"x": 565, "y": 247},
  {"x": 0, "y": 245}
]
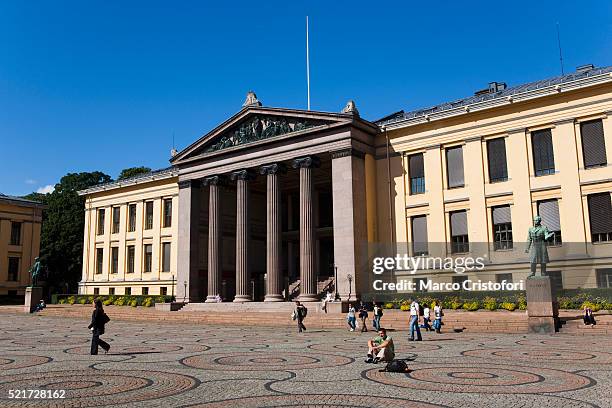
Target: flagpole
[{"x": 307, "y": 64}]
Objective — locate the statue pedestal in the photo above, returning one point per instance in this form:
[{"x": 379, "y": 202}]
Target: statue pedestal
[
  {"x": 33, "y": 294},
  {"x": 542, "y": 306}
]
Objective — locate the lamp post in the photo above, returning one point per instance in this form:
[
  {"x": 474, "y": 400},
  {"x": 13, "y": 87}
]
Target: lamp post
[
  {"x": 349, "y": 277},
  {"x": 337, "y": 295},
  {"x": 185, "y": 292},
  {"x": 172, "y": 300}
]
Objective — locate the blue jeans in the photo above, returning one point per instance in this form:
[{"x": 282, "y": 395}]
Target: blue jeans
[
  {"x": 414, "y": 325},
  {"x": 376, "y": 322},
  {"x": 351, "y": 322}
]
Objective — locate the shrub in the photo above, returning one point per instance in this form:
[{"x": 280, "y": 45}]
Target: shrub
[
  {"x": 82, "y": 300},
  {"x": 453, "y": 303},
  {"x": 133, "y": 303},
  {"x": 471, "y": 306},
  {"x": 107, "y": 302},
  {"x": 522, "y": 303},
  {"x": 489, "y": 303},
  {"x": 593, "y": 306},
  {"x": 389, "y": 305},
  {"x": 508, "y": 306},
  {"x": 62, "y": 301},
  {"x": 71, "y": 300},
  {"x": 148, "y": 302},
  {"x": 404, "y": 308},
  {"x": 120, "y": 301},
  {"x": 608, "y": 306},
  {"x": 567, "y": 303}
]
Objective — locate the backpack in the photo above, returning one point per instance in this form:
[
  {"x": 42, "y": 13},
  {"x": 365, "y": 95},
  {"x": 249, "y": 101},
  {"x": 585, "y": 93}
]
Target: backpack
[
  {"x": 304, "y": 312},
  {"x": 396, "y": 366}
]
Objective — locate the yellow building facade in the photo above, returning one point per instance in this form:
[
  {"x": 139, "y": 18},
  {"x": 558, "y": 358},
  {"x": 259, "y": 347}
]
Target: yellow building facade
[
  {"x": 20, "y": 226},
  {"x": 130, "y": 242},
  {"x": 488, "y": 164}
]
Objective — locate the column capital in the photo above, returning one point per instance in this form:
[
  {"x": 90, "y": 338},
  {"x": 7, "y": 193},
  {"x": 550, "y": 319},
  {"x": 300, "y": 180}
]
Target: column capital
[
  {"x": 274, "y": 168},
  {"x": 189, "y": 183},
  {"x": 218, "y": 180},
  {"x": 306, "y": 162},
  {"x": 347, "y": 152},
  {"x": 244, "y": 174}
]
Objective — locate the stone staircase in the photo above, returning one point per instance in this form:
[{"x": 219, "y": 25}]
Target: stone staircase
[{"x": 572, "y": 323}]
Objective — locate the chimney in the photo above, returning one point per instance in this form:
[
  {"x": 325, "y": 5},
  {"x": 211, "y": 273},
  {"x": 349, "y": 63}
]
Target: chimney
[
  {"x": 493, "y": 88},
  {"x": 585, "y": 68}
]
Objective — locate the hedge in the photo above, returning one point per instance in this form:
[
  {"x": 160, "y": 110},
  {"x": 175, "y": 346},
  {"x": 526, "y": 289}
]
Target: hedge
[{"x": 117, "y": 300}]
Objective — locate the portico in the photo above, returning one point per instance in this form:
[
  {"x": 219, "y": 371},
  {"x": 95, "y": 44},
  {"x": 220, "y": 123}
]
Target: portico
[{"x": 273, "y": 206}]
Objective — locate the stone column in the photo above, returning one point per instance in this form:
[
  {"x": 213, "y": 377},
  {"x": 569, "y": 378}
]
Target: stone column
[
  {"x": 242, "y": 178},
  {"x": 188, "y": 285},
  {"x": 214, "y": 235},
  {"x": 273, "y": 231},
  {"x": 308, "y": 273}
]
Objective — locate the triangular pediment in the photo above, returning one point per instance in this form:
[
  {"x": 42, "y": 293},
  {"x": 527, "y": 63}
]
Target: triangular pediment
[{"x": 256, "y": 124}]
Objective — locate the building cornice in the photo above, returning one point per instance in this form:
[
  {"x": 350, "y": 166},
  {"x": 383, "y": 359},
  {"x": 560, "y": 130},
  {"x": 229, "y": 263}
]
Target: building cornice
[{"x": 132, "y": 181}]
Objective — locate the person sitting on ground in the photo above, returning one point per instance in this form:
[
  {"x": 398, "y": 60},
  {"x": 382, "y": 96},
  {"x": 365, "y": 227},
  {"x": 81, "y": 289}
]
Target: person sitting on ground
[
  {"x": 218, "y": 298},
  {"x": 40, "y": 306},
  {"x": 380, "y": 348},
  {"x": 588, "y": 316}
]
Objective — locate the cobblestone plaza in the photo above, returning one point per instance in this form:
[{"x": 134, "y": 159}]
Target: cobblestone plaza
[{"x": 180, "y": 365}]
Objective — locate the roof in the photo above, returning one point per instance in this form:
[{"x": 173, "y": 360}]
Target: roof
[
  {"x": 487, "y": 100},
  {"x": 160, "y": 174},
  {"x": 20, "y": 201}
]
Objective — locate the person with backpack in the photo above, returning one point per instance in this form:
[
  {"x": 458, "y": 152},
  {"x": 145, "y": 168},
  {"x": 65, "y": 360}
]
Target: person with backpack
[
  {"x": 350, "y": 318},
  {"x": 380, "y": 348},
  {"x": 299, "y": 314},
  {"x": 426, "y": 319},
  {"x": 98, "y": 321},
  {"x": 415, "y": 312},
  {"x": 363, "y": 315},
  {"x": 378, "y": 312},
  {"x": 438, "y": 313}
]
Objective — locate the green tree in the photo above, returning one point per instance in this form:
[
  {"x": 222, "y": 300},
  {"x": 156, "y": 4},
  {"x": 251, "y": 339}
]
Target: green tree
[
  {"x": 132, "y": 171},
  {"x": 61, "y": 246}
]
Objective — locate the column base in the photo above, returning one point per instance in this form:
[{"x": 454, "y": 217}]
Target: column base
[
  {"x": 308, "y": 298},
  {"x": 274, "y": 298},
  {"x": 210, "y": 299},
  {"x": 242, "y": 298}
]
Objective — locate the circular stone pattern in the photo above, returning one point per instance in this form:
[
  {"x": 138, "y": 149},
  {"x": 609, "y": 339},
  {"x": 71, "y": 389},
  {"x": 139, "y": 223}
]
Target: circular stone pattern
[
  {"x": 486, "y": 379},
  {"x": 317, "y": 400},
  {"x": 359, "y": 349},
  {"x": 570, "y": 342},
  {"x": 264, "y": 361},
  {"x": 540, "y": 354},
  {"x": 144, "y": 349},
  {"x": 101, "y": 387},
  {"x": 12, "y": 362},
  {"x": 51, "y": 341}
]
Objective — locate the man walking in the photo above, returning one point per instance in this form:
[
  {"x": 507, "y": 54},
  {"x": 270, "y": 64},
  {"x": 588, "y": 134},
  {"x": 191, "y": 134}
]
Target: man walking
[
  {"x": 300, "y": 314},
  {"x": 414, "y": 321}
]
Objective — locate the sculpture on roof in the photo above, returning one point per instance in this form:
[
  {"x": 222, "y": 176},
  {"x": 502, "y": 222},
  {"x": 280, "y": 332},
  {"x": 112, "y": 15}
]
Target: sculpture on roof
[
  {"x": 351, "y": 108},
  {"x": 251, "y": 100}
]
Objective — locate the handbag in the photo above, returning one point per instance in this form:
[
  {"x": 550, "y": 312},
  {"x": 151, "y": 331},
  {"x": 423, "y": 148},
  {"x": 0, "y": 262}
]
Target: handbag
[{"x": 293, "y": 315}]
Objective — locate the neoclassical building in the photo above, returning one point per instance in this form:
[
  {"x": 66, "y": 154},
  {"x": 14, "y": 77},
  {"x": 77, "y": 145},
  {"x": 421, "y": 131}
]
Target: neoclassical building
[
  {"x": 20, "y": 226},
  {"x": 279, "y": 203}
]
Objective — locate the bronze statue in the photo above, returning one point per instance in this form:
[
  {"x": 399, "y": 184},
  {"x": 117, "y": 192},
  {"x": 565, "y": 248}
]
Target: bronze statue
[
  {"x": 35, "y": 271},
  {"x": 536, "y": 246}
]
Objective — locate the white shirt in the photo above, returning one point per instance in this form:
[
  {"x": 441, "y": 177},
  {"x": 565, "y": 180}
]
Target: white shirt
[
  {"x": 351, "y": 312},
  {"x": 414, "y": 309},
  {"x": 437, "y": 311},
  {"x": 426, "y": 313}
]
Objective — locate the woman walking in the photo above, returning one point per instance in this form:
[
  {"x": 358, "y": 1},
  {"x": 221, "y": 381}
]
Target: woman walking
[
  {"x": 363, "y": 315},
  {"x": 98, "y": 320},
  {"x": 350, "y": 317},
  {"x": 438, "y": 313},
  {"x": 378, "y": 312}
]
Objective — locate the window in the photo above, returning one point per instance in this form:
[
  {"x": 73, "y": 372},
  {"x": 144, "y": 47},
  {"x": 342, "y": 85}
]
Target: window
[
  {"x": 496, "y": 154},
  {"x": 148, "y": 257},
  {"x": 149, "y": 215},
  {"x": 15, "y": 233},
  {"x": 167, "y": 212},
  {"x": 593, "y": 144},
  {"x": 145, "y": 290},
  {"x": 549, "y": 211},
  {"x": 101, "y": 222},
  {"x": 166, "y": 248},
  {"x": 132, "y": 218},
  {"x": 543, "y": 156},
  {"x": 116, "y": 219},
  {"x": 459, "y": 279},
  {"x": 114, "y": 260},
  {"x": 419, "y": 235},
  {"x": 99, "y": 260},
  {"x": 163, "y": 291},
  {"x": 417, "y": 285},
  {"x": 417, "y": 174},
  {"x": 502, "y": 227},
  {"x": 128, "y": 291},
  {"x": 500, "y": 277},
  {"x": 111, "y": 291},
  {"x": 556, "y": 280},
  {"x": 459, "y": 232},
  {"x": 130, "y": 258},
  {"x": 604, "y": 278},
  {"x": 96, "y": 291},
  {"x": 454, "y": 167},
  {"x": 600, "y": 216},
  {"x": 13, "y": 269}
]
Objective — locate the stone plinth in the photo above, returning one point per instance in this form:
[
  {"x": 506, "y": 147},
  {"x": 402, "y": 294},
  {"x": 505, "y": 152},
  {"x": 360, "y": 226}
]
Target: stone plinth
[
  {"x": 338, "y": 307},
  {"x": 32, "y": 298},
  {"x": 542, "y": 308},
  {"x": 169, "y": 307}
]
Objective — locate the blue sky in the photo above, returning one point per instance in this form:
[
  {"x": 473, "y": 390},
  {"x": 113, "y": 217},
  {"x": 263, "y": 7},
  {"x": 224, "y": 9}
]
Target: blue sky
[{"x": 92, "y": 85}]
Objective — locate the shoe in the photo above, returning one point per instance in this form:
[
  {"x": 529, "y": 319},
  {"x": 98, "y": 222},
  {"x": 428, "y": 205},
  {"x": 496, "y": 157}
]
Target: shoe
[
  {"x": 368, "y": 361},
  {"x": 376, "y": 360},
  {"x": 419, "y": 340},
  {"x": 107, "y": 350},
  {"x": 352, "y": 330},
  {"x": 410, "y": 339}
]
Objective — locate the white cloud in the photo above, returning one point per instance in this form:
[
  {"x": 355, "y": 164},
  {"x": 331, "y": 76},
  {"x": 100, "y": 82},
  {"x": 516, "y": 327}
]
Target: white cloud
[
  {"x": 30, "y": 181},
  {"x": 46, "y": 189}
]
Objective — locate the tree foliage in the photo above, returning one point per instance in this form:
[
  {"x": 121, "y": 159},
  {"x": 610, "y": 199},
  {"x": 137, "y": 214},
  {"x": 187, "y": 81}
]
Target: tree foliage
[
  {"x": 132, "y": 171},
  {"x": 62, "y": 230}
]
